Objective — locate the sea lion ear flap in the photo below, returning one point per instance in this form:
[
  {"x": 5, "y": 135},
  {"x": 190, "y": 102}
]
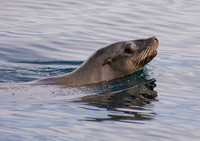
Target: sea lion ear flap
[{"x": 107, "y": 61}]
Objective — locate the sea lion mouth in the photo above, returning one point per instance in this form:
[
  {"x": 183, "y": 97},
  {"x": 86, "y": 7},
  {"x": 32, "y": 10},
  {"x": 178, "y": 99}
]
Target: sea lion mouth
[
  {"x": 151, "y": 52},
  {"x": 154, "y": 53}
]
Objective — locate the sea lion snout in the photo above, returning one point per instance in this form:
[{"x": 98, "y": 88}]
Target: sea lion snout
[
  {"x": 143, "y": 44},
  {"x": 152, "y": 40},
  {"x": 156, "y": 42},
  {"x": 152, "y": 45}
]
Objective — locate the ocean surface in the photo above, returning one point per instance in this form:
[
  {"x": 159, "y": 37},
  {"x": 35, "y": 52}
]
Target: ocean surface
[{"x": 41, "y": 39}]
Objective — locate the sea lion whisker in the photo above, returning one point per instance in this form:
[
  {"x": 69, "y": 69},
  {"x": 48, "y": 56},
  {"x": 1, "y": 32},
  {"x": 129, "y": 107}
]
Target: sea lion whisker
[
  {"x": 144, "y": 54},
  {"x": 140, "y": 57},
  {"x": 138, "y": 62},
  {"x": 148, "y": 52}
]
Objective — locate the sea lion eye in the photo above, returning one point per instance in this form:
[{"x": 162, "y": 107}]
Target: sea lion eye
[{"x": 129, "y": 49}]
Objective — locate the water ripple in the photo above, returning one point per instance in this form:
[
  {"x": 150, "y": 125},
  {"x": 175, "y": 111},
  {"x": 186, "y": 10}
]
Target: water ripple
[{"x": 43, "y": 39}]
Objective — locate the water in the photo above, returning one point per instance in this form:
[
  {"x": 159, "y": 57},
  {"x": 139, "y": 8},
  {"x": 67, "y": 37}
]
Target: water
[{"x": 48, "y": 38}]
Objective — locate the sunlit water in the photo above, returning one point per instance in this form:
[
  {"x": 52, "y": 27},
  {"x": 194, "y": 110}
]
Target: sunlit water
[{"x": 48, "y": 38}]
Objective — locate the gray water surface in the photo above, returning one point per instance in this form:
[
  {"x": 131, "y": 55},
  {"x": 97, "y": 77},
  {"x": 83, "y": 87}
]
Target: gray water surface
[{"x": 41, "y": 39}]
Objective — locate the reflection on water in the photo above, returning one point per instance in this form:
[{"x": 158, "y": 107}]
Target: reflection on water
[{"x": 130, "y": 102}]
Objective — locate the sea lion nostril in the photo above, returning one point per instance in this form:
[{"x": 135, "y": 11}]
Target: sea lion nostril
[{"x": 156, "y": 39}]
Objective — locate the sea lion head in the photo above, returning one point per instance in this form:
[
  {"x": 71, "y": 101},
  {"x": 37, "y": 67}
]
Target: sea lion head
[{"x": 126, "y": 57}]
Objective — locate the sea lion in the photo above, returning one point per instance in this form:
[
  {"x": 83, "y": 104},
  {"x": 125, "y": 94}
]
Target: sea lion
[{"x": 113, "y": 61}]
